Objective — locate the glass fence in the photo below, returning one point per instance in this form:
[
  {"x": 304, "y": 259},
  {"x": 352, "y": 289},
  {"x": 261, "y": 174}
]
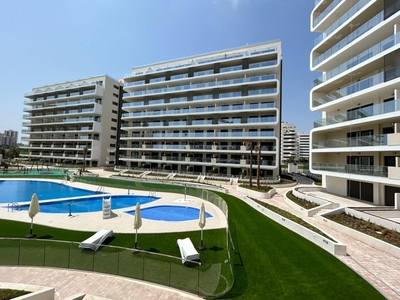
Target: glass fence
[
  {"x": 368, "y": 170},
  {"x": 362, "y": 141},
  {"x": 205, "y": 280}
]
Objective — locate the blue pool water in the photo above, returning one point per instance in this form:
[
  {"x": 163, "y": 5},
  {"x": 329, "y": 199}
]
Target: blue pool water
[
  {"x": 22, "y": 190},
  {"x": 170, "y": 213},
  {"x": 91, "y": 204}
]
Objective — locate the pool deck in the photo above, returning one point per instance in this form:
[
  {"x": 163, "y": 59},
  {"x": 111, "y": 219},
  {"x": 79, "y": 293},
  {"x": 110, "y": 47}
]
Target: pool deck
[
  {"x": 121, "y": 222},
  {"x": 379, "y": 268}
]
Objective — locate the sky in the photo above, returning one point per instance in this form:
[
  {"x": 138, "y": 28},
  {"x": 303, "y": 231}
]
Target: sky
[{"x": 46, "y": 42}]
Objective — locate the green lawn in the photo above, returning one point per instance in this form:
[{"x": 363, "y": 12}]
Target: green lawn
[{"x": 271, "y": 262}]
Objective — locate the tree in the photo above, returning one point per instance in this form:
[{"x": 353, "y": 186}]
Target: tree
[
  {"x": 258, "y": 150},
  {"x": 250, "y": 144},
  {"x": 14, "y": 151},
  {"x": 85, "y": 152}
]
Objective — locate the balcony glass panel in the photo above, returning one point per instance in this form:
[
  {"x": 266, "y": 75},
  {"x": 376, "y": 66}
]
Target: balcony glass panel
[
  {"x": 212, "y": 134},
  {"x": 263, "y": 64},
  {"x": 178, "y": 99},
  {"x": 202, "y": 73},
  {"x": 346, "y": 16},
  {"x": 131, "y": 104},
  {"x": 230, "y": 69},
  {"x": 228, "y": 95},
  {"x": 351, "y": 37},
  {"x": 376, "y": 109},
  {"x": 378, "y": 171},
  {"x": 203, "y": 109},
  {"x": 177, "y": 123},
  {"x": 203, "y": 97},
  {"x": 362, "y": 141},
  {"x": 157, "y": 101},
  {"x": 203, "y": 85},
  {"x": 326, "y": 11},
  {"x": 262, "y": 91},
  {"x": 202, "y": 122},
  {"x": 159, "y": 79},
  {"x": 367, "y": 54},
  {"x": 179, "y": 76},
  {"x": 351, "y": 89},
  {"x": 88, "y": 92}
]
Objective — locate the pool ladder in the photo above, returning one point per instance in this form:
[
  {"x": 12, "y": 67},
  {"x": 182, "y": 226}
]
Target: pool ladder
[
  {"x": 14, "y": 206},
  {"x": 100, "y": 189},
  {"x": 152, "y": 194}
]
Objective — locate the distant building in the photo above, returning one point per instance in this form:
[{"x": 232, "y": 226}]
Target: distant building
[
  {"x": 304, "y": 145},
  {"x": 8, "y": 137},
  {"x": 62, "y": 119},
  {"x": 289, "y": 142},
  {"x": 294, "y": 145}
]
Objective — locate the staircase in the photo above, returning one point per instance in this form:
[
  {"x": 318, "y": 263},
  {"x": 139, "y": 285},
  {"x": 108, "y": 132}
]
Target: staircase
[{"x": 107, "y": 207}]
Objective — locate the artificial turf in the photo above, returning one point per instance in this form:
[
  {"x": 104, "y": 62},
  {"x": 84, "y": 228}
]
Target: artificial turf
[{"x": 270, "y": 261}]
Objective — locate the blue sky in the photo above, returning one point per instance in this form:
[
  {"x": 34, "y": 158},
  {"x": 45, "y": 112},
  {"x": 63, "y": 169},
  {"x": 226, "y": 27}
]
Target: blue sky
[{"x": 47, "y": 42}]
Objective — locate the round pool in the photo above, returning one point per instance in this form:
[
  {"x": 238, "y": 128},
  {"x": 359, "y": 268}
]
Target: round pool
[{"x": 170, "y": 213}]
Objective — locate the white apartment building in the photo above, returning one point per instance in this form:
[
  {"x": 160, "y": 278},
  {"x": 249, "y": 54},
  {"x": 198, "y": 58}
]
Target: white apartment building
[
  {"x": 356, "y": 144},
  {"x": 199, "y": 113},
  {"x": 289, "y": 142},
  {"x": 303, "y": 139},
  {"x": 62, "y": 119}
]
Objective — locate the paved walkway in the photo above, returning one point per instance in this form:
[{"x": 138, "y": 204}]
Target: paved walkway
[{"x": 379, "y": 268}]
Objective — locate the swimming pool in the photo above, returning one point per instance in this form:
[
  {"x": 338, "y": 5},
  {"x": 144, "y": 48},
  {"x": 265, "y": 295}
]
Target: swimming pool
[
  {"x": 91, "y": 203},
  {"x": 22, "y": 190},
  {"x": 170, "y": 213}
]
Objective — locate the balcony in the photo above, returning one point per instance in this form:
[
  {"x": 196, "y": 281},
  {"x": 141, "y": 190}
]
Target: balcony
[
  {"x": 363, "y": 56},
  {"x": 185, "y": 111},
  {"x": 209, "y": 135},
  {"x": 325, "y": 12},
  {"x": 362, "y": 141},
  {"x": 345, "y": 17},
  {"x": 370, "y": 111},
  {"x": 348, "y": 39},
  {"x": 377, "y": 171},
  {"x": 202, "y": 85},
  {"x": 199, "y": 61}
]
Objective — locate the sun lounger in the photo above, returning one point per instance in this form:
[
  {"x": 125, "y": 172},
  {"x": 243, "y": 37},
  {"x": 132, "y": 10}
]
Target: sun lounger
[
  {"x": 96, "y": 240},
  {"x": 188, "y": 252}
]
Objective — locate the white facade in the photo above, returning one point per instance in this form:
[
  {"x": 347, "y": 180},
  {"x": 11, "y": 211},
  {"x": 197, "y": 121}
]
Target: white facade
[
  {"x": 62, "y": 119},
  {"x": 196, "y": 114},
  {"x": 304, "y": 145},
  {"x": 356, "y": 144},
  {"x": 289, "y": 142}
]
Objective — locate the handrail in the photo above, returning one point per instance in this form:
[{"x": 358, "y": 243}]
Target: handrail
[{"x": 13, "y": 205}]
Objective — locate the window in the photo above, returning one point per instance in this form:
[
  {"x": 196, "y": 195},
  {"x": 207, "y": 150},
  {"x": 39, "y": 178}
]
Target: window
[
  {"x": 113, "y": 128},
  {"x": 113, "y": 120},
  {"x": 112, "y": 145},
  {"x": 113, "y": 136},
  {"x": 114, "y": 111},
  {"x": 115, "y": 95},
  {"x": 116, "y": 87},
  {"x": 115, "y": 103}
]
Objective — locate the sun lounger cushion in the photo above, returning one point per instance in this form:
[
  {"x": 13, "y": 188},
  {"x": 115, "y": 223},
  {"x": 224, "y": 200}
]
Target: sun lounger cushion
[
  {"x": 96, "y": 240},
  {"x": 188, "y": 252}
]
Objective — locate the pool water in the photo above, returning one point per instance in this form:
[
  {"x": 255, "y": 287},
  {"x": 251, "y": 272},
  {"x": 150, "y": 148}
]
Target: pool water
[
  {"x": 91, "y": 204},
  {"x": 22, "y": 190},
  {"x": 170, "y": 213}
]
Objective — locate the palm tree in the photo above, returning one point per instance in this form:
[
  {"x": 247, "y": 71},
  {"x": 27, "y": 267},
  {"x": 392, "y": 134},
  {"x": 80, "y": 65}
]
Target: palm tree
[
  {"x": 85, "y": 152},
  {"x": 258, "y": 150},
  {"x": 249, "y": 144}
]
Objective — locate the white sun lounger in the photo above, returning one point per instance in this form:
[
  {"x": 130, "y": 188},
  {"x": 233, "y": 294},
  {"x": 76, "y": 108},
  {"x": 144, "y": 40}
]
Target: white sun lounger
[
  {"x": 96, "y": 240},
  {"x": 188, "y": 252}
]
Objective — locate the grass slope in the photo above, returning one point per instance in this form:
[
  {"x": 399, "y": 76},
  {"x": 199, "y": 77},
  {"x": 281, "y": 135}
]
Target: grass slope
[{"x": 274, "y": 263}]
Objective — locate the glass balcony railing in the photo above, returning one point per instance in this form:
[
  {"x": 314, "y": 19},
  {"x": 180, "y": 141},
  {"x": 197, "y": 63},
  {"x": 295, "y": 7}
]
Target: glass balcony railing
[
  {"x": 197, "y": 110},
  {"x": 202, "y": 85},
  {"x": 326, "y": 11},
  {"x": 370, "y": 111},
  {"x": 263, "y": 64},
  {"x": 204, "y": 134},
  {"x": 351, "y": 37},
  {"x": 351, "y": 89},
  {"x": 195, "y": 61},
  {"x": 346, "y": 16},
  {"x": 362, "y": 141},
  {"x": 363, "y": 56},
  {"x": 202, "y": 122},
  {"x": 378, "y": 171}
]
